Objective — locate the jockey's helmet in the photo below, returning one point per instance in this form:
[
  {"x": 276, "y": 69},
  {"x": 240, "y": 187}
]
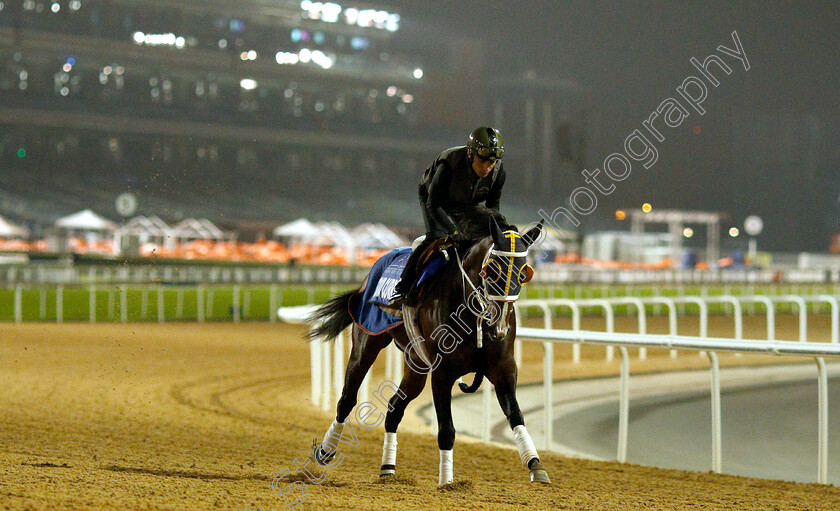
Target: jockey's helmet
[{"x": 487, "y": 143}]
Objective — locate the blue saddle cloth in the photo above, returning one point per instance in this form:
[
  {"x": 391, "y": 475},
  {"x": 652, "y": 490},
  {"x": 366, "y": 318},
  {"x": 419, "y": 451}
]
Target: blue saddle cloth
[{"x": 379, "y": 287}]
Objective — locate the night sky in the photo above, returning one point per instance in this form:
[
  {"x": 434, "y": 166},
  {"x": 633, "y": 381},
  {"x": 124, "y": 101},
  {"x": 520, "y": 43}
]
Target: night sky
[{"x": 767, "y": 143}]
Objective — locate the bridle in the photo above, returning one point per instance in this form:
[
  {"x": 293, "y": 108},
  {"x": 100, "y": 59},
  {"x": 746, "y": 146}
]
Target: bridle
[{"x": 485, "y": 295}]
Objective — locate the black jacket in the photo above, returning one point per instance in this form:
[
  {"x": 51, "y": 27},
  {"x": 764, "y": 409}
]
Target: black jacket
[{"x": 450, "y": 183}]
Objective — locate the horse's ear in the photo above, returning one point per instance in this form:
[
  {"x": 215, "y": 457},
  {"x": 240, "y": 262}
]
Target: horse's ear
[
  {"x": 495, "y": 231},
  {"x": 533, "y": 234}
]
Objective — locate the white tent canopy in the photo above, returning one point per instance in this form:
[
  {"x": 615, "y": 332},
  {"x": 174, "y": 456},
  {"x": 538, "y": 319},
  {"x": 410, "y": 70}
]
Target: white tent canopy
[
  {"x": 334, "y": 234},
  {"x": 151, "y": 226},
  {"x": 10, "y": 230},
  {"x": 377, "y": 236},
  {"x": 301, "y": 229},
  {"x": 147, "y": 230},
  {"x": 85, "y": 220},
  {"x": 192, "y": 229}
]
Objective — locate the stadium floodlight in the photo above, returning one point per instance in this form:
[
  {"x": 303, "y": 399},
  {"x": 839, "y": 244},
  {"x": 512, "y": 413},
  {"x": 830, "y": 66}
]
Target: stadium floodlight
[{"x": 248, "y": 84}]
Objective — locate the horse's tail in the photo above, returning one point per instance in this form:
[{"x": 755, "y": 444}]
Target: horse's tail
[
  {"x": 331, "y": 318},
  {"x": 479, "y": 377}
]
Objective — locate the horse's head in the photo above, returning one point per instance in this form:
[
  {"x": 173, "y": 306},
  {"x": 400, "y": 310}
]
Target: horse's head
[{"x": 505, "y": 270}]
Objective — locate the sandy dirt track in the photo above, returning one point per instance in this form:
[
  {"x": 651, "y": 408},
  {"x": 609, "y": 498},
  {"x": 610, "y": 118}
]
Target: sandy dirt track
[{"x": 188, "y": 416}]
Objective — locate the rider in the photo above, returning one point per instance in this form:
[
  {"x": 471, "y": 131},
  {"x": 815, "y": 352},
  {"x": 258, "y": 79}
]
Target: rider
[{"x": 459, "y": 177}]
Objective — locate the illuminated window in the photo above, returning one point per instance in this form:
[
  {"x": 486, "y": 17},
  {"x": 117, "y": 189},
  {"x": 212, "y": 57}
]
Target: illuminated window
[
  {"x": 359, "y": 43},
  {"x": 160, "y": 90},
  {"x": 112, "y": 149}
]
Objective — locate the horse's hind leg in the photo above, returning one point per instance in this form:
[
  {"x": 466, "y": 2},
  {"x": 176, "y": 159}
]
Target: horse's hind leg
[
  {"x": 503, "y": 377},
  {"x": 365, "y": 349},
  {"x": 410, "y": 387}
]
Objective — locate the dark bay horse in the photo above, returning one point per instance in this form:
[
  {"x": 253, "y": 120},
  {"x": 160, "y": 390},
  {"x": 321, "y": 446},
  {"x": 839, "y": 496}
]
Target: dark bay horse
[{"x": 464, "y": 323}]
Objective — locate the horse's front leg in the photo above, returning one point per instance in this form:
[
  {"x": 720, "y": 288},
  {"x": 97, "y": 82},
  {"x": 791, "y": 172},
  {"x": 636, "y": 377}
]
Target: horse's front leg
[
  {"x": 503, "y": 377},
  {"x": 442, "y": 393}
]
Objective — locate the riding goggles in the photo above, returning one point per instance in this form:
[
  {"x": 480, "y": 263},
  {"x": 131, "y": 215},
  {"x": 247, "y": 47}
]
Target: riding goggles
[{"x": 490, "y": 153}]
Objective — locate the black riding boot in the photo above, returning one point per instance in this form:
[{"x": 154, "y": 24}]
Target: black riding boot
[{"x": 405, "y": 292}]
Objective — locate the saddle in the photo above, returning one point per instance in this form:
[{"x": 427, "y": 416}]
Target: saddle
[
  {"x": 369, "y": 306},
  {"x": 439, "y": 245},
  {"x": 432, "y": 260}
]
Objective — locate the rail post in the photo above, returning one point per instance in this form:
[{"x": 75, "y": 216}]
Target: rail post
[
  {"x": 822, "y": 442},
  {"x": 92, "y": 303},
  {"x": 717, "y": 453},
  {"x": 124, "y": 304},
  {"x": 548, "y": 394},
  {"x": 160, "y": 298},
  {"x": 235, "y": 306},
  {"x": 325, "y": 375},
  {"x": 18, "y": 303},
  {"x": 199, "y": 305},
  {"x": 59, "y": 304},
  {"x": 624, "y": 405}
]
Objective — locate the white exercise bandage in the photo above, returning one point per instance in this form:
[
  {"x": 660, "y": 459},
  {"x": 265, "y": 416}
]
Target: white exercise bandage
[
  {"x": 527, "y": 451},
  {"x": 446, "y": 470},
  {"x": 331, "y": 438},
  {"x": 389, "y": 450}
]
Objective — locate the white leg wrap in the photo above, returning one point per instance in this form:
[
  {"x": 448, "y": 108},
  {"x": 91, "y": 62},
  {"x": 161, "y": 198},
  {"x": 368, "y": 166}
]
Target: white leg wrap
[
  {"x": 524, "y": 444},
  {"x": 330, "y": 443},
  {"x": 445, "y": 476},
  {"x": 389, "y": 449}
]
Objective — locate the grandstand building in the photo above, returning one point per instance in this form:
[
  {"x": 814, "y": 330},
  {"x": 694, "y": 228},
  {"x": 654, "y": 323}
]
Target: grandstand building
[
  {"x": 248, "y": 109},
  {"x": 251, "y": 111}
]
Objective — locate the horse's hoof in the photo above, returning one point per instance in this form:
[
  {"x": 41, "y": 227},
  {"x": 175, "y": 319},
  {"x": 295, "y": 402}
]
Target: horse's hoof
[
  {"x": 320, "y": 456},
  {"x": 538, "y": 474},
  {"x": 388, "y": 471}
]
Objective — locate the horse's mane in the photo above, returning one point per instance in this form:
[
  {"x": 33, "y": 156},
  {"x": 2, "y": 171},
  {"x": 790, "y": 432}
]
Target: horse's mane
[
  {"x": 474, "y": 225},
  {"x": 474, "y": 222}
]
